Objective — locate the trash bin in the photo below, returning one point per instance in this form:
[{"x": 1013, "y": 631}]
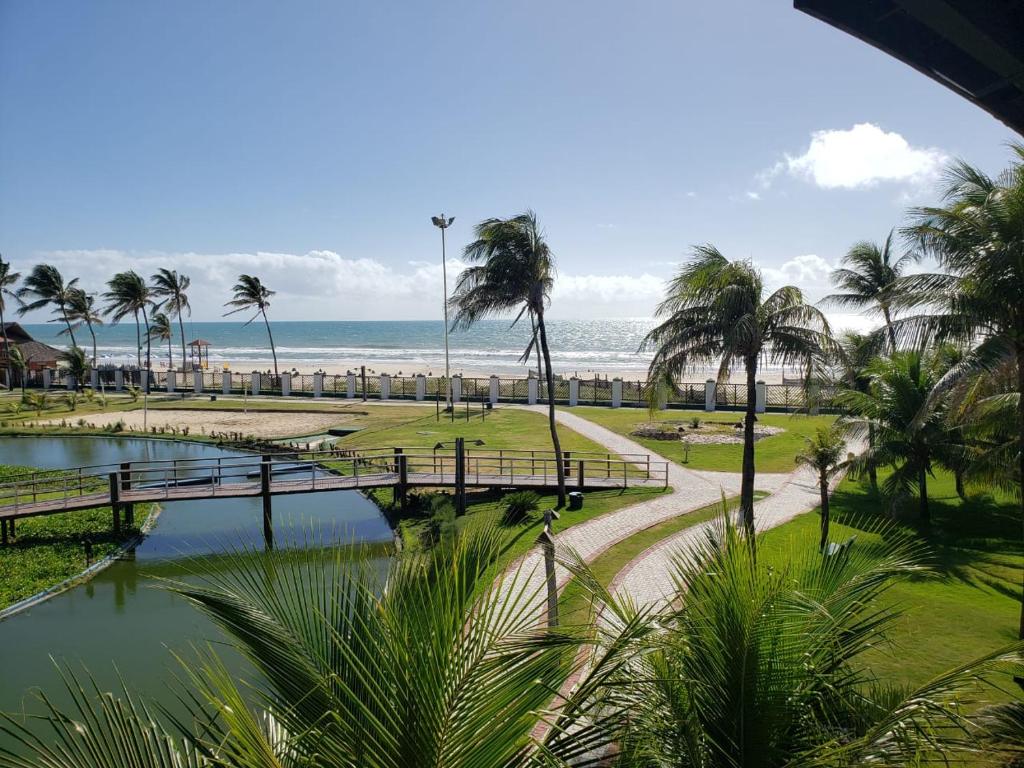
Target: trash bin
[
  {"x": 575, "y": 500},
  {"x": 213, "y": 398}
]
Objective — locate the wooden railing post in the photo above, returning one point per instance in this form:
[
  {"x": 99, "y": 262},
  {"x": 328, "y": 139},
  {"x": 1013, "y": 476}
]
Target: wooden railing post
[
  {"x": 579, "y": 475},
  {"x": 3, "y": 532},
  {"x": 460, "y": 476},
  {"x": 115, "y": 501},
  {"x": 268, "y": 518},
  {"x": 566, "y": 463},
  {"x": 126, "y": 484},
  {"x": 402, "y": 467}
]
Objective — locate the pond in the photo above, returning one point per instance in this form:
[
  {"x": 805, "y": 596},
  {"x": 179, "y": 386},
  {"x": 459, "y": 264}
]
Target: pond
[{"x": 122, "y": 617}]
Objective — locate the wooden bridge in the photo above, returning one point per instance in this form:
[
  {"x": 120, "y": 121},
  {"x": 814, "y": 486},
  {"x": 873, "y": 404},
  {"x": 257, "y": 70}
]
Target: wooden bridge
[{"x": 121, "y": 486}]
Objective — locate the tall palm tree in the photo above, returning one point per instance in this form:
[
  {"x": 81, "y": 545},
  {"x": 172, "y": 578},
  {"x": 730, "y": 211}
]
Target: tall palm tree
[
  {"x": 513, "y": 270},
  {"x": 170, "y": 287},
  {"x": 977, "y": 238},
  {"x": 251, "y": 295},
  {"x": 824, "y": 452},
  {"x": 868, "y": 277},
  {"x": 45, "y": 287},
  {"x": 8, "y": 280},
  {"x": 854, "y": 352},
  {"x": 82, "y": 311},
  {"x": 160, "y": 328},
  {"x": 716, "y": 312},
  {"x": 128, "y": 294},
  {"x": 912, "y": 431}
]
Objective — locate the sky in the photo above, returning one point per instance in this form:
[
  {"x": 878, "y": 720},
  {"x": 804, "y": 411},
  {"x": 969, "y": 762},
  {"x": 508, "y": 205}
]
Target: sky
[{"x": 310, "y": 143}]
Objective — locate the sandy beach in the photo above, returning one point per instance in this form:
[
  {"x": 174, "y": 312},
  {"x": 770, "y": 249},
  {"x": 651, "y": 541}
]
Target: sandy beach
[{"x": 256, "y": 423}]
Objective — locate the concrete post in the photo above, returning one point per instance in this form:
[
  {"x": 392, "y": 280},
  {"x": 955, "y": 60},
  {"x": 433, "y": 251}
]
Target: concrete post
[
  {"x": 385, "y": 386},
  {"x": 170, "y": 381},
  {"x": 531, "y": 391},
  {"x": 254, "y": 384},
  {"x": 421, "y": 386},
  {"x": 616, "y": 393},
  {"x": 574, "y": 392},
  {"x": 225, "y": 382},
  {"x": 759, "y": 402},
  {"x": 814, "y": 398},
  {"x": 70, "y": 384},
  {"x": 46, "y": 378},
  {"x": 350, "y": 385},
  {"x": 709, "y": 395},
  {"x": 318, "y": 385},
  {"x": 118, "y": 380},
  {"x": 94, "y": 379},
  {"x": 456, "y": 389},
  {"x": 662, "y": 398},
  {"x": 197, "y": 382},
  {"x": 495, "y": 388},
  {"x": 286, "y": 384}
]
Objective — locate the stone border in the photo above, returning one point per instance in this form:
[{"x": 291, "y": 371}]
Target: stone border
[{"x": 88, "y": 573}]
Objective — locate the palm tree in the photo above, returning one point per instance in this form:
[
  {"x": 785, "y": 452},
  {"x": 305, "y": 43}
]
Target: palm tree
[
  {"x": 513, "y": 271},
  {"x": 823, "y": 452},
  {"x": 977, "y": 237},
  {"x": 160, "y": 328},
  {"x": 169, "y": 286},
  {"x": 8, "y": 280},
  {"x": 128, "y": 294},
  {"x": 251, "y": 295},
  {"x": 82, "y": 311},
  {"x": 17, "y": 359},
  {"x": 715, "y": 312},
  {"x": 854, "y": 352},
  {"x": 868, "y": 277},
  {"x": 78, "y": 366},
  {"x": 45, "y": 286},
  {"x": 912, "y": 432}
]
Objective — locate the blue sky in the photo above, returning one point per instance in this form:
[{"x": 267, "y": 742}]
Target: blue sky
[{"x": 311, "y": 142}]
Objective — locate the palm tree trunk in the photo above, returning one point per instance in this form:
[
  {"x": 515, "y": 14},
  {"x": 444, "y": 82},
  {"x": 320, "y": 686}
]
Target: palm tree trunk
[
  {"x": 149, "y": 348},
  {"x": 92, "y": 333},
  {"x": 536, "y": 346},
  {"x": 271, "y": 337},
  {"x": 170, "y": 356},
  {"x": 7, "y": 348},
  {"x": 138, "y": 341},
  {"x": 747, "y": 480},
  {"x": 559, "y": 465},
  {"x": 1020, "y": 454},
  {"x": 960, "y": 490},
  {"x": 67, "y": 322},
  {"x": 922, "y": 483},
  {"x": 181, "y": 329},
  {"x": 823, "y": 480},
  {"x": 872, "y": 469},
  {"x": 888, "y": 327}
]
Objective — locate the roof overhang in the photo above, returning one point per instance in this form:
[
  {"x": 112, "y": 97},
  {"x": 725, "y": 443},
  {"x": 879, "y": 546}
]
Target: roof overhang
[{"x": 974, "y": 47}]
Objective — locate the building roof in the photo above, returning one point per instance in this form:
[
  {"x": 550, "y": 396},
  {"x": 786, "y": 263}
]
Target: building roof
[
  {"x": 38, "y": 353},
  {"x": 974, "y": 47},
  {"x": 16, "y": 334},
  {"x": 199, "y": 343}
]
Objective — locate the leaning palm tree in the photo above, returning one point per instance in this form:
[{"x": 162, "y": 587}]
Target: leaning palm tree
[
  {"x": 8, "y": 280},
  {"x": 513, "y": 271},
  {"x": 252, "y": 296},
  {"x": 825, "y": 453},
  {"x": 977, "y": 237},
  {"x": 160, "y": 329},
  {"x": 716, "y": 312},
  {"x": 45, "y": 287},
  {"x": 82, "y": 311},
  {"x": 128, "y": 294},
  {"x": 170, "y": 287},
  {"x": 20, "y": 364},
  {"x": 867, "y": 279},
  {"x": 78, "y": 366}
]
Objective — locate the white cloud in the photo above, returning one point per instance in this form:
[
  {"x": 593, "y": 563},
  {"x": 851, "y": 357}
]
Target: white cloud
[
  {"x": 860, "y": 157},
  {"x": 754, "y": 195},
  {"x": 327, "y": 285},
  {"x": 808, "y": 272}
]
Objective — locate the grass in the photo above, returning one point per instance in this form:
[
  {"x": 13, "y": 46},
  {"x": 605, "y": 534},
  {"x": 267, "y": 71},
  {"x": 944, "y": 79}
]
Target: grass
[
  {"x": 47, "y": 550},
  {"x": 772, "y": 454},
  {"x": 970, "y": 606}
]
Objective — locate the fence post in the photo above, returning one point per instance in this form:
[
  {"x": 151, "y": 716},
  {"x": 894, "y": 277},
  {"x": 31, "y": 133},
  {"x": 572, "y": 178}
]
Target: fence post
[
  {"x": 286, "y": 385},
  {"x": 616, "y": 393},
  {"x": 350, "y": 386},
  {"x": 318, "y": 385},
  {"x": 566, "y": 463},
  {"x": 759, "y": 401},
  {"x": 268, "y": 513},
  {"x": 118, "y": 380},
  {"x": 460, "y": 476},
  {"x": 456, "y": 389},
  {"x": 126, "y": 485},
  {"x": 197, "y": 382},
  {"x": 421, "y": 386},
  {"x": 495, "y": 389},
  {"x": 94, "y": 379},
  {"x": 225, "y": 382},
  {"x": 579, "y": 475},
  {"x": 47, "y": 374},
  {"x": 531, "y": 391},
  {"x": 385, "y": 387},
  {"x": 574, "y": 392},
  {"x": 402, "y": 465},
  {"x": 813, "y": 398},
  {"x": 709, "y": 395},
  {"x": 254, "y": 383},
  {"x": 115, "y": 503},
  {"x": 170, "y": 381}
]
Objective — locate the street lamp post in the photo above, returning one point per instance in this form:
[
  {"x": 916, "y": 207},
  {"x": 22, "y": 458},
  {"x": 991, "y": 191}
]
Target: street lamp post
[{"x": 442, "y": 223}]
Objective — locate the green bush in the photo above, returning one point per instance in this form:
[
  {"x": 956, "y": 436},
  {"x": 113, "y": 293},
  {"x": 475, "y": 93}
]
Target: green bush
[
  {"x": 440, "y": 526},
  {"x": 518, "y": 507}
]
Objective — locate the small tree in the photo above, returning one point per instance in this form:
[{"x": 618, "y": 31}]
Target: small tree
[{"x": 823, "y": 452}]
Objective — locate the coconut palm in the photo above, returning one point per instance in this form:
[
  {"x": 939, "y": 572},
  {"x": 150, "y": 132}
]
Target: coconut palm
[
  {"x": 82, "y": 311},
  {"x": 912, "y": 431},
  {"x": 512, "y": 270},
  {"x": 170, "y": 287},
  {"x": 716, "y": 312},
  {"x": 160, "y": 328},
  {"x": 45, "y": 287},
  {"x": 128, "y": 294},
  {"x": 8, "y": 280},
  {"x": 761, "y": 664},
  {"x": 825, "y": 453},
  {"x": 252, "y": 296},
  {"x": 977, "y": 236},
  {"x": 854, "y": 352},
  {"x": 78, "y": 366},
  {"x": 17, "y": 360},
  {"x": 867, "y": 279}
]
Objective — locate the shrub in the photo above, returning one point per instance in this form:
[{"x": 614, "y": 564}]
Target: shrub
[
  {"x": 441, "y": 523},
  {"x": 695, "y": 422},
  {"x": 518, "y": 507}
]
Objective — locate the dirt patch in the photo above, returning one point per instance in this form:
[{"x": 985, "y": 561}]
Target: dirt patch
[
  {"x": 705, "y": 432},
  {"x": 255, "y": 423}
]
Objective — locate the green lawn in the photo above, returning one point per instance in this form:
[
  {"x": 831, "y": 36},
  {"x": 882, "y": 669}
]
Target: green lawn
[
  {"x": 772, "y": 454},
  {"x": 972, "y": 604}
]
